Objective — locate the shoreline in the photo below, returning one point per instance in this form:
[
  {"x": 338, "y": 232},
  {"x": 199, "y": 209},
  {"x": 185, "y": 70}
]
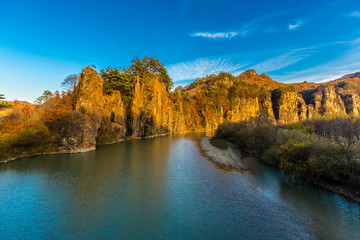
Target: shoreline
[
  {"x": 228, "y": 158},
  {"x": 343, "y": 190},
  {"x": 78, "y": 150},
  {"x": 220, "y": 156}
]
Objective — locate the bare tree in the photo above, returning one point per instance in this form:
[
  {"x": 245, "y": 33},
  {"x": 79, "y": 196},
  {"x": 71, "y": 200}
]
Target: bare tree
[
  {"x": 345, "y": 133},
  {"x": 70, "y": 82}
]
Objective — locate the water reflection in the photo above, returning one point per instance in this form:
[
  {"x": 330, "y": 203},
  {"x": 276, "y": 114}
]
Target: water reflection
[{"x": 162, "y": 188}]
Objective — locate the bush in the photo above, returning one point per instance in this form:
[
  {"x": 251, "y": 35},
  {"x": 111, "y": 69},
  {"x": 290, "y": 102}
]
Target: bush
[
  {"x": 32, "y": 137},
  {"x": 309, "y": 128},
  {"x": 4, "y": 142},
  {"x": 82, "y": 109},
  {"x": 219, "y": 143},
  {"x": 68, "y": 125},
  {"x": 5, "y": 105},
  {"x": 325, "y": 149},
  {"x": 294, "y": 157},
  {"x": 271, "y": 156}
]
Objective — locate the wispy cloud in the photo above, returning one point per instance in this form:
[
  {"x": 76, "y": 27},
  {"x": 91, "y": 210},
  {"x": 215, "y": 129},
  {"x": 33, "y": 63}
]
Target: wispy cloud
[
  {"x": 355, "y": 14},
  {"x": 332, "y": 70},
  {"x": 245, "y": 30},
  {"x": 296, "y": 24},
  {"x": 284, "y": 60},
  {"x": 216, "y": 35},
  {"x": 200, "y": 67}
]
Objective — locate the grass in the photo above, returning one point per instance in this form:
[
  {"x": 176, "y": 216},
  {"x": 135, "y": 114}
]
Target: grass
[{"x": 219, "y": 143}]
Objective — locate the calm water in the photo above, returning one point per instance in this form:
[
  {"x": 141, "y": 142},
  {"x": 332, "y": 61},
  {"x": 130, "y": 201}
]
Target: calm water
[{"x": 163, "y": 188}]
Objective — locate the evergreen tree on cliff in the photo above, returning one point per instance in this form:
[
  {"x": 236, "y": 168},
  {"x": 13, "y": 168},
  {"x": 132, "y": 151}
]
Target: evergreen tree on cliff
[
  {"x": 114, "y": 79},
  {"x": 123, "y": 80},
  {"x": 150, "y": 65}
]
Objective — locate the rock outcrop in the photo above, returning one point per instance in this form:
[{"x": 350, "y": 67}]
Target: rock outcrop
[
  {"x": 106, "y": 113},
  {"x": 151, "y": 108},
  {"x": 206, "y": 103}
]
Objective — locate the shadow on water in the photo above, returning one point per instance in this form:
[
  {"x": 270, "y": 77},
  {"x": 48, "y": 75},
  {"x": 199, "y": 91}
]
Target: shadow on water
[{"x": 329, "y": 215}]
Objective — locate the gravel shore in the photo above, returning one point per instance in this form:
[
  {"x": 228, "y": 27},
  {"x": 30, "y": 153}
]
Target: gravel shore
[{"x": 228, "y": 157}]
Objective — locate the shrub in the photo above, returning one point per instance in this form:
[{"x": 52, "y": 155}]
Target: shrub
[
  {"x": 309, "y": 128},
  {"x": 325, "y": 149},
  {"x": 4, "y": 142},
  {"x": 32, "y": 137},
  {"x": 82, "y": 109},
  {"x": 294, "y": 157},
  {"x": 219, "y": 143},
  {"x": 68, "y": 125},
  {"x": 5, "y": 105},
  {"x": 271, "y": 156}
]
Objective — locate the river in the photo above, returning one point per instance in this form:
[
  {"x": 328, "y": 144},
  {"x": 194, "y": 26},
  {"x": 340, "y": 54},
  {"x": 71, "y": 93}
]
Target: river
[{"x": 163, "y": 188}]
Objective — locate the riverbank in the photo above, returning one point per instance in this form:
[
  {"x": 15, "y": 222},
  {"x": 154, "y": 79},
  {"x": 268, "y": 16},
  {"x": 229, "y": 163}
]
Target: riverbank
[
  {"x": 77, "y": 150},
  {"x": 311, "y": 152},
  {"x": 63, "y": 151},
  {"x": 343, "y": 190},
  {"x": 226, "y": 157}
]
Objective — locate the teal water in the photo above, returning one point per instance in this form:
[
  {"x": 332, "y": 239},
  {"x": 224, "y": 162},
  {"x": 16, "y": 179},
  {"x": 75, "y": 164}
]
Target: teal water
[{"x": 163, "y": 188}]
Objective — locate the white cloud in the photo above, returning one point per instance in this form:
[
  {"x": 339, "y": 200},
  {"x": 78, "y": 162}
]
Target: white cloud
[
  {"x": 215, "y": 35},
  {"x": 298, "y": 23},
  {"x": 283, "y": 60},
  {"x": 246, "y": 29},
  {"x": 355, "y": 14},
  {"x": 199, "y": 68}
]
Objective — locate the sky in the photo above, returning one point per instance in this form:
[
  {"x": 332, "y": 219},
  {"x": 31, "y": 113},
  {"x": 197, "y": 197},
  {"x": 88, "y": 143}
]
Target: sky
[{"x": 41, "y": 42}]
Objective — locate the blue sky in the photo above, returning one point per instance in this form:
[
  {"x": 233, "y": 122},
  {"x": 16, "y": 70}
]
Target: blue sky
[{"x": 41, "y": 42}]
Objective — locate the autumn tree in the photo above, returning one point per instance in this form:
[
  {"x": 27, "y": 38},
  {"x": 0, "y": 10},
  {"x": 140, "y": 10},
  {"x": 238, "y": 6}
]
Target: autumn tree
[
  {"x": 2, "y": 97},
  {"x": 56, "y": 106}
]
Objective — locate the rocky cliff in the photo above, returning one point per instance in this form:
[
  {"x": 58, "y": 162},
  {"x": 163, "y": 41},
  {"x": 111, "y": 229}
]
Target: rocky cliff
[
  {"x": 151, "y": 108},
  {"x": 106, "y": 113},
  {"x": 207, "y": 102}
]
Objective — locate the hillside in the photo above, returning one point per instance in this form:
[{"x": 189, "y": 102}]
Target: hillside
[{"x": 7, "y": 107}]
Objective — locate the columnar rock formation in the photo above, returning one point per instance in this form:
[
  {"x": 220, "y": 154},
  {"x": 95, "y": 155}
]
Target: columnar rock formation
[{"x": 208, "y": 102}]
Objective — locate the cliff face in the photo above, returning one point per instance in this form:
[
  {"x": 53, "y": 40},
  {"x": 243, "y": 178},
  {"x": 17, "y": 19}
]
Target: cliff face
[
  {"x": 105, "y": 113},
  {"x": 151, "y": 108},
  {"x": 206, "y": 103},
  {"x": 289, "y": 106},
  {"x": 327, "y": 101}
]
